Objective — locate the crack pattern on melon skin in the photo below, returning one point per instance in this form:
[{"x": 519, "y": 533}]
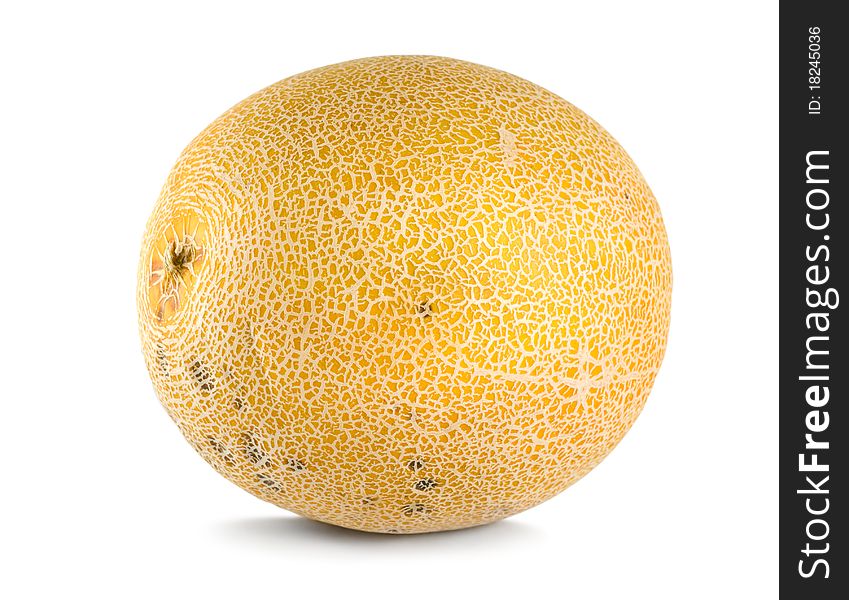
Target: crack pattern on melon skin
[{"x": 425, "y": 283}]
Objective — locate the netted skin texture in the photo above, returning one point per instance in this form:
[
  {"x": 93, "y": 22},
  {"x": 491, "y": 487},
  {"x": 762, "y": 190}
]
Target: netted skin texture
[{"x": 404, "y": 294}]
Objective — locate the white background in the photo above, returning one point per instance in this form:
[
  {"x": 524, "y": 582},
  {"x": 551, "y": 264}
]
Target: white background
[{"x": 104, "y": 499}]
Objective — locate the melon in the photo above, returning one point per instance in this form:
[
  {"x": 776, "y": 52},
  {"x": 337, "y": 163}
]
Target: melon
[{"x": 404, "y": 294}]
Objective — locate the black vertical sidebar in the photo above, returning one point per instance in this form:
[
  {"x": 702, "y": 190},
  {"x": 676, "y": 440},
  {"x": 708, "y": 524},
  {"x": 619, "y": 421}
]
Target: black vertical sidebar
[{"x": 814, "y": 301}]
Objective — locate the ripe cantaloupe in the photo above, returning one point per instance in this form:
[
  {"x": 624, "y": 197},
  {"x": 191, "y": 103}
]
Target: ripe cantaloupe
[{"x": 404, "y": 294}]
